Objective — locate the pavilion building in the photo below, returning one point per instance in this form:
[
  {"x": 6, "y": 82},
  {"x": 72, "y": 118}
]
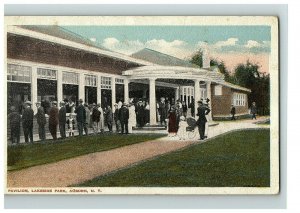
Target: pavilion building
[{"x": 52, "y": 63}]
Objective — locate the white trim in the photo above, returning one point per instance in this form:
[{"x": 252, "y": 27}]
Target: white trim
[
  {"x": 45, "y": 37},
  {"x": 157, "y": 83},
  {"x": 233, "y": 86},
  {"x": 60, "y": 68}
]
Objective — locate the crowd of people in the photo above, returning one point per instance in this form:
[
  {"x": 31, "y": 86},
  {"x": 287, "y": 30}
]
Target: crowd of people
[{"x": 124, "y": 116}]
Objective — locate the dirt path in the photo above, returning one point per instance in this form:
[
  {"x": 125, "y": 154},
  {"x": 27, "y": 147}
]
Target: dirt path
[{"x": 79, "y": 169}]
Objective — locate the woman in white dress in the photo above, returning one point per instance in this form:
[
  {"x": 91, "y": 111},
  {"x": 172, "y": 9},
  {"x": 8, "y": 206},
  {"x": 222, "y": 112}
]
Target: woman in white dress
[
  {"x": 101, "y": 123},
  {"x": 132, "y": 117}
]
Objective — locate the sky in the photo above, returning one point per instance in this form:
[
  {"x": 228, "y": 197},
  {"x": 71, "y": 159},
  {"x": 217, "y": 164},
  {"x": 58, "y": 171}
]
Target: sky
[{"x": 231, "y": 44}]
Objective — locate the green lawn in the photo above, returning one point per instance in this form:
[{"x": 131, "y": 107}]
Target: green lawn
[
  {"x": 23, "y": 156},
  {"x": 238, "y": 159}
]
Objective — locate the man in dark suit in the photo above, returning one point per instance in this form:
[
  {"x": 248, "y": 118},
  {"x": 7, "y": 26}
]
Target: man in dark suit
[
  {"x": 232, "y": 112},
  {"x": 80, "y": 117},
  {"x": 124, "y": 116},
  {"x": 41, "y": 120},
  {"x": 53, "y": 120},
  {"x": 14, "y": 119},
  {"x": 62, "y": 117},
  {"x": 162, "y": 109},
  {"x": 202, "y": 110},
  {"x": 27, "y": 118}
]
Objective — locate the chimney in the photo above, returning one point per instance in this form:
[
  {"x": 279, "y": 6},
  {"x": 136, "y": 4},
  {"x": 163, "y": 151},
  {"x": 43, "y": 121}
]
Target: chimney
[{"x": 205, "y": 56}]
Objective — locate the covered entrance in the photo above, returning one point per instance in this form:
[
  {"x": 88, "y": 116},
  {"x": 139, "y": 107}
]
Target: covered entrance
[{"x": 167, "y": 81}]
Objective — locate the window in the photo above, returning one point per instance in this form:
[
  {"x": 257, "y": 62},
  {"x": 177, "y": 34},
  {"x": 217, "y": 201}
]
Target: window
[
  {"x": 70, "y": 78},
  {"x": 105, "y": 82},
  {"x": 46, "y": 74},
  {"x": 91, "y": 80},
  {"x": 119, "y": 81},
  {"x": 239, "y": 99},
  {"x": 218, "y": 90},
  {"x": 184, "y": 91},
  {"x": 18, "y": 73}
]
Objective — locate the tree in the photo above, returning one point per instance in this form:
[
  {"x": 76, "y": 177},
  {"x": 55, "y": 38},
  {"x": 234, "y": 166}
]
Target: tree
[
  {"x": 248, "y": 75},
  {"x": 197, "y": 58}
]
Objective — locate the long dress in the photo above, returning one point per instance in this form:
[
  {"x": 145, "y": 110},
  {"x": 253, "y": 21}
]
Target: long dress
[
  {"x": 172, "y": 122},
  {"x": 101, "y": 123},
  {"x": 132, "y": 118}
]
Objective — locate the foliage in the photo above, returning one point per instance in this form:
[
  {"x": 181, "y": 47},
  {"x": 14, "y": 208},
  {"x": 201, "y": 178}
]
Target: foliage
[
  {"x": 246, "y": 75},
  {"x": 23, "y": 156},
  {"x": 197, "y": 58},
  {"x": 239, "y": 159}
]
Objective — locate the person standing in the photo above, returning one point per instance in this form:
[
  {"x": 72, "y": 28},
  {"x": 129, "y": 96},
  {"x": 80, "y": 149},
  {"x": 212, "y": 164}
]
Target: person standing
[
  {"x": 14, "y": 119},
  {"x": 124, "y": 116},
  {"x": 95, "y": 118},
  {"x": 147, "y": 113},
  {"x": 71, "y": 124},
  {"x": 41, "y": 120},
  {"x": 87, "y": 118},
  {"x": 202, "y": 112},
  {"x": 162, "y": 111},
  {"x": 140, "y": 114},
  {"x": 27, "y": 118},
  {"x": 192, "y": 106},
  {"x": 80, "y": 117},
  {"x": 253, "y": 110},
  {"x": 132, "y": 117},
  {"x": 62, "y": 115},
  {"x": 109, "y": 118},
  {"x": 232, "y": 112},
  {"x": 53, "y": 120},
  {"x": 172, "y": 124},
  {"x": 116, "y": 118},
  {"x": 184, "y": 109},
  {"x": 101, "y": 123}
]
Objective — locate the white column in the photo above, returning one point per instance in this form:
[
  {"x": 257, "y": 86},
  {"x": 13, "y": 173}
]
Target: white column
[
  {"x": 99, "y": 90},
  {"x": 208, "y": 92},
  {"x": 126, "y": 90},
  {"x": 59, "y": 86},
  {"x": 113, "y": 91},
  {"x": 81, "y": 85},
  {"x": 34, "y": 89},
  {"x": 177, "y": 93},
  {"x": 196, "y": 94},
  {"x": 152, "y": 102}
]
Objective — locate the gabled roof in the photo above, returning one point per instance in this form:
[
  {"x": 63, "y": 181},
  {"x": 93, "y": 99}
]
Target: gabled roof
[
  {"x": 161, "y": 58},
  {"x": 60, "y": 32}
]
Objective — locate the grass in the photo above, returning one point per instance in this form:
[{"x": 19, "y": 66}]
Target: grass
[
  {"x": 238, "y": 159},
  {"x": 22, "y": 156}
]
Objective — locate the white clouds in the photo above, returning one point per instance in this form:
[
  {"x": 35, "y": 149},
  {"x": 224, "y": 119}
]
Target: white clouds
[
  {"x": 93, "y": 39},
  {"x": 110, "y": 42},
  {"x": 182, "y": 49},
  {"x": 251, "y": 44},
  {"x": 228, "y": 42},
  {"x": 177, "y": 48}
]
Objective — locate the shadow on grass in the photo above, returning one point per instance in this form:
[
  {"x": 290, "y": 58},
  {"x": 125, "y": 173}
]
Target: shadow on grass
[{"x": 22, "y": 156}]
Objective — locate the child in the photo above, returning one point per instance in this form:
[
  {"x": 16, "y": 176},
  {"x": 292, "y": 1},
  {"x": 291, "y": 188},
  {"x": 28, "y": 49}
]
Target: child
[
  {"x": 182, "y": 128},
  {"x": 71, "y": 125}
]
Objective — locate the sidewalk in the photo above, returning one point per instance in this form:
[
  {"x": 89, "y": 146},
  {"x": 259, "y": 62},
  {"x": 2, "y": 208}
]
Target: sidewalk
[{"x": 86, "y": 167}]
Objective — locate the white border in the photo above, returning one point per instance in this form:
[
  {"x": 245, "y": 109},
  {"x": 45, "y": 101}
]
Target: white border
[{"x": 190, "y": 20}]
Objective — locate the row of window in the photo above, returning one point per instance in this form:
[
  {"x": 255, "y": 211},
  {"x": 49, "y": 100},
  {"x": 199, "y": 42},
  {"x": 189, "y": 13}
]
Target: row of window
[
  {"x": 239, "y": 99},
  {"x": 22, "y": 74}
]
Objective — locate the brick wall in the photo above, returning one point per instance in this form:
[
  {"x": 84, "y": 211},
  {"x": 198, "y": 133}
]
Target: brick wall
[
  {"x": 35, "y": 50},
  {"x": 221, "y": 105}
]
